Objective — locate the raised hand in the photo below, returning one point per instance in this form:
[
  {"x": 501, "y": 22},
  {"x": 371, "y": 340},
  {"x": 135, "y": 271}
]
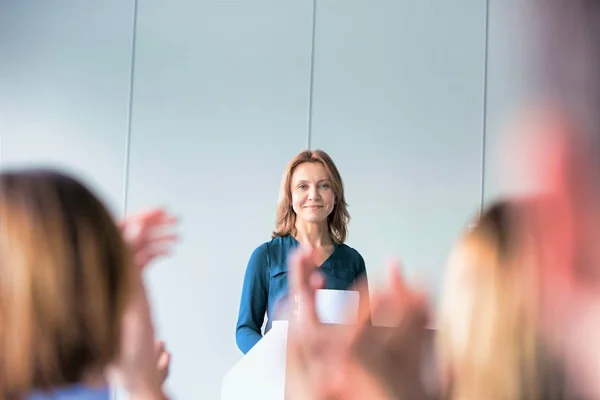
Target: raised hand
[
  {"x": 315, "y": 351},
  {"x": 163, "y": 360},
  {"x": 143, "y": 364},
  {"x": 355, "y": 361},
  {"x": 149, "y": 235},
  {"x": 392, "y": 355},
  {"x": 135, "y": 368}
]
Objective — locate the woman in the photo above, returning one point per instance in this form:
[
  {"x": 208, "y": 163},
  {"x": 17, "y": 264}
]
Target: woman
[
  {"x": 72, "y": 302},
  {"x": 312, "y": 213},
  {"x": 490, "y": 329}
]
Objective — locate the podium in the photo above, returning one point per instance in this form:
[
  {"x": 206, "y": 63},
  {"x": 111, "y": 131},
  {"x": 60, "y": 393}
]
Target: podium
[{"x": 261, "y": 373}]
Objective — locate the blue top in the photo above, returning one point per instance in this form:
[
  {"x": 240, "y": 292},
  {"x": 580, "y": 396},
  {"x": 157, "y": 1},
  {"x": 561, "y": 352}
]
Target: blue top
[
  {"x": 266, "y": 283},
  {"x": 74, "y": 392}
]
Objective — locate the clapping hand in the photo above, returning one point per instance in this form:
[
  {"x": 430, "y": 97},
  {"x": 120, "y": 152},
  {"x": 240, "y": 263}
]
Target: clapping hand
[
  {"x": 142, "y": 365},
  {"x": 355, "y": 361}
]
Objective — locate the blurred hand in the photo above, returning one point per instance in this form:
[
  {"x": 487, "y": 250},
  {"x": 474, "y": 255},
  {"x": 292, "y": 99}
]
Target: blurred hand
[
  {"x": 149, "y": 235},
  {"x": 143, "y": 364},
  {"x": 135, "y": 368},
  {"x": 355, "y": 361},
  {"x": 163, "y": 360}
]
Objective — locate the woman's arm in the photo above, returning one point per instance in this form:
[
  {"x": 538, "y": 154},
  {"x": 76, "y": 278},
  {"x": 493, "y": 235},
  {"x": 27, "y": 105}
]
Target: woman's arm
[{"x": 253, "y": 302}]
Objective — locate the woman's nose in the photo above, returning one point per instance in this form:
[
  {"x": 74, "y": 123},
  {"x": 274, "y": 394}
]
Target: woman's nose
[{"x": 313, "y": 194}]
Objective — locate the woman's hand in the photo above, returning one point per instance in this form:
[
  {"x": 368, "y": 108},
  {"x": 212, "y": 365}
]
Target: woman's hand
[
  {"x": 163, "y": 360},
  {"x": 149, "y": 235},
  {"x": 142, "y": 365}
]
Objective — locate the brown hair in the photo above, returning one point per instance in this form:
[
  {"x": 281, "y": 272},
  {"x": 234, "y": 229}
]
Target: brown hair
[
  {"x": 339, "y": 217},
  {"x": 64, "y": 279}
]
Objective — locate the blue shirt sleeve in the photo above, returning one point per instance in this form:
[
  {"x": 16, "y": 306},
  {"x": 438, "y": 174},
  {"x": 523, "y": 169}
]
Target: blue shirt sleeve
[{"x": 253, "y": 304}]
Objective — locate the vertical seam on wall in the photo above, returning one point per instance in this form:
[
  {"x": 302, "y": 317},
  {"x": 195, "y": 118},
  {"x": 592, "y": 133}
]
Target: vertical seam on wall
[
  {"x": 312, "y": 74},
  {"x": 0, "y": 148},
  {"x": 130, "y": 109},
  {"x": 485, "y": 97},
  {"x": 128, "y": 134}
]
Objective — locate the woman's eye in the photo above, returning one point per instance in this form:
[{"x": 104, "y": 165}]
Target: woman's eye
[{"x": 325, "y": 186}]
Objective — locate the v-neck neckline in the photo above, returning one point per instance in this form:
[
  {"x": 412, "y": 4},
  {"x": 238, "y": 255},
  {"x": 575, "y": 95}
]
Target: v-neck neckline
[{"x": 327, "y": 259}]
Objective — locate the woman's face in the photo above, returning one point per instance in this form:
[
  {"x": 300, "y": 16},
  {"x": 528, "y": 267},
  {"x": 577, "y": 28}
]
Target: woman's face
[{"x": 312, "y": 195}]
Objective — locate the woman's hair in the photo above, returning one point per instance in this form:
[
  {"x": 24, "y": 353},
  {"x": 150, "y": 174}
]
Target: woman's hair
[
  {"x": 64, "y": 281},
  {"x": 489, "y": 339},
  {"x": 339, "y": 217}
]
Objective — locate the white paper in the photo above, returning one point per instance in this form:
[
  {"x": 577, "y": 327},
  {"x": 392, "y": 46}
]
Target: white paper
[{"x": 337, "y": 306}]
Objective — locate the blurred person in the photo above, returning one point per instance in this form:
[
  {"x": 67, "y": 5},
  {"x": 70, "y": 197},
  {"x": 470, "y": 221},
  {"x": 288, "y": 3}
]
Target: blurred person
[
  {"x": 312, "y": 212},
  {"x": 564, "y": 120},
  {"x": 73, "y": 307},
  {"x": 490, "y": 339}
]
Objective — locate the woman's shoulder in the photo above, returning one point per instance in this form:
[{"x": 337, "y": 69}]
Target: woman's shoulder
[
  {"x": 350, "y": 252},
  {"x": 274, "y": 251}
]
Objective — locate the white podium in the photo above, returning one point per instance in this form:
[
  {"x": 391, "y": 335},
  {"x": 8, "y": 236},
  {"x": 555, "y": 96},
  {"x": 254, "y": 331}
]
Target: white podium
[{"x": 260, "y": 374}]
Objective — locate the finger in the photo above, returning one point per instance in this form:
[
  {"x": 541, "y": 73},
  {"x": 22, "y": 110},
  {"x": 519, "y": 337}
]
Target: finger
[
  {"x": 160, "y": 228},
  {"x": 396, "y": 311},
  {"x": 422, "y": 312},
  {"x": 158, "y": 219},
  {"x": 301, "y": 267},
  {"x": 143, "y": 240},
  {"x": 159, "y": 240},
  {"x": 152, "y": 237},
  {"x": 396, "y": 283},
  {"x": 305, "y": 296},
  {"x": 167, "y": 238},
  {"x": 316, "y": 281},
  {"x": 164, "y": 360},
  {"x": 383, "y": 308},
  {"x": 164, "y": 363},
  {"x": 137, "y": 224},
  {"x": 147, "y": 232},
  {"x": 143, "y": 258},
  {"x": 364, "y": 304},
  {"x": 152, "y": 214},
  {"x": 298, "y": 278},
  {"x": 159, "y": 347}
]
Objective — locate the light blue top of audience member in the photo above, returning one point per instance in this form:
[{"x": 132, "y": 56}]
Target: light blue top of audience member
[{"x": 74, "y": 392}]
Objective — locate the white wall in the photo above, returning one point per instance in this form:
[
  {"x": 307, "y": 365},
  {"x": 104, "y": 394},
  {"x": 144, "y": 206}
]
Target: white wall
[
  {"x": 224, "y": 93},
  {"x": 220, "y": 105},
  {"x": 398, "y": 100},
  {"x": 64, "y": 88}
]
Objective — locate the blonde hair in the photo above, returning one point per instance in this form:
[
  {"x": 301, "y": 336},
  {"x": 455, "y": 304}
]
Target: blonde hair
[
  {"x": 64, "y": 279},
  {"x": 488, "y": 332},
  {"x": 339, "y": 217}
]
